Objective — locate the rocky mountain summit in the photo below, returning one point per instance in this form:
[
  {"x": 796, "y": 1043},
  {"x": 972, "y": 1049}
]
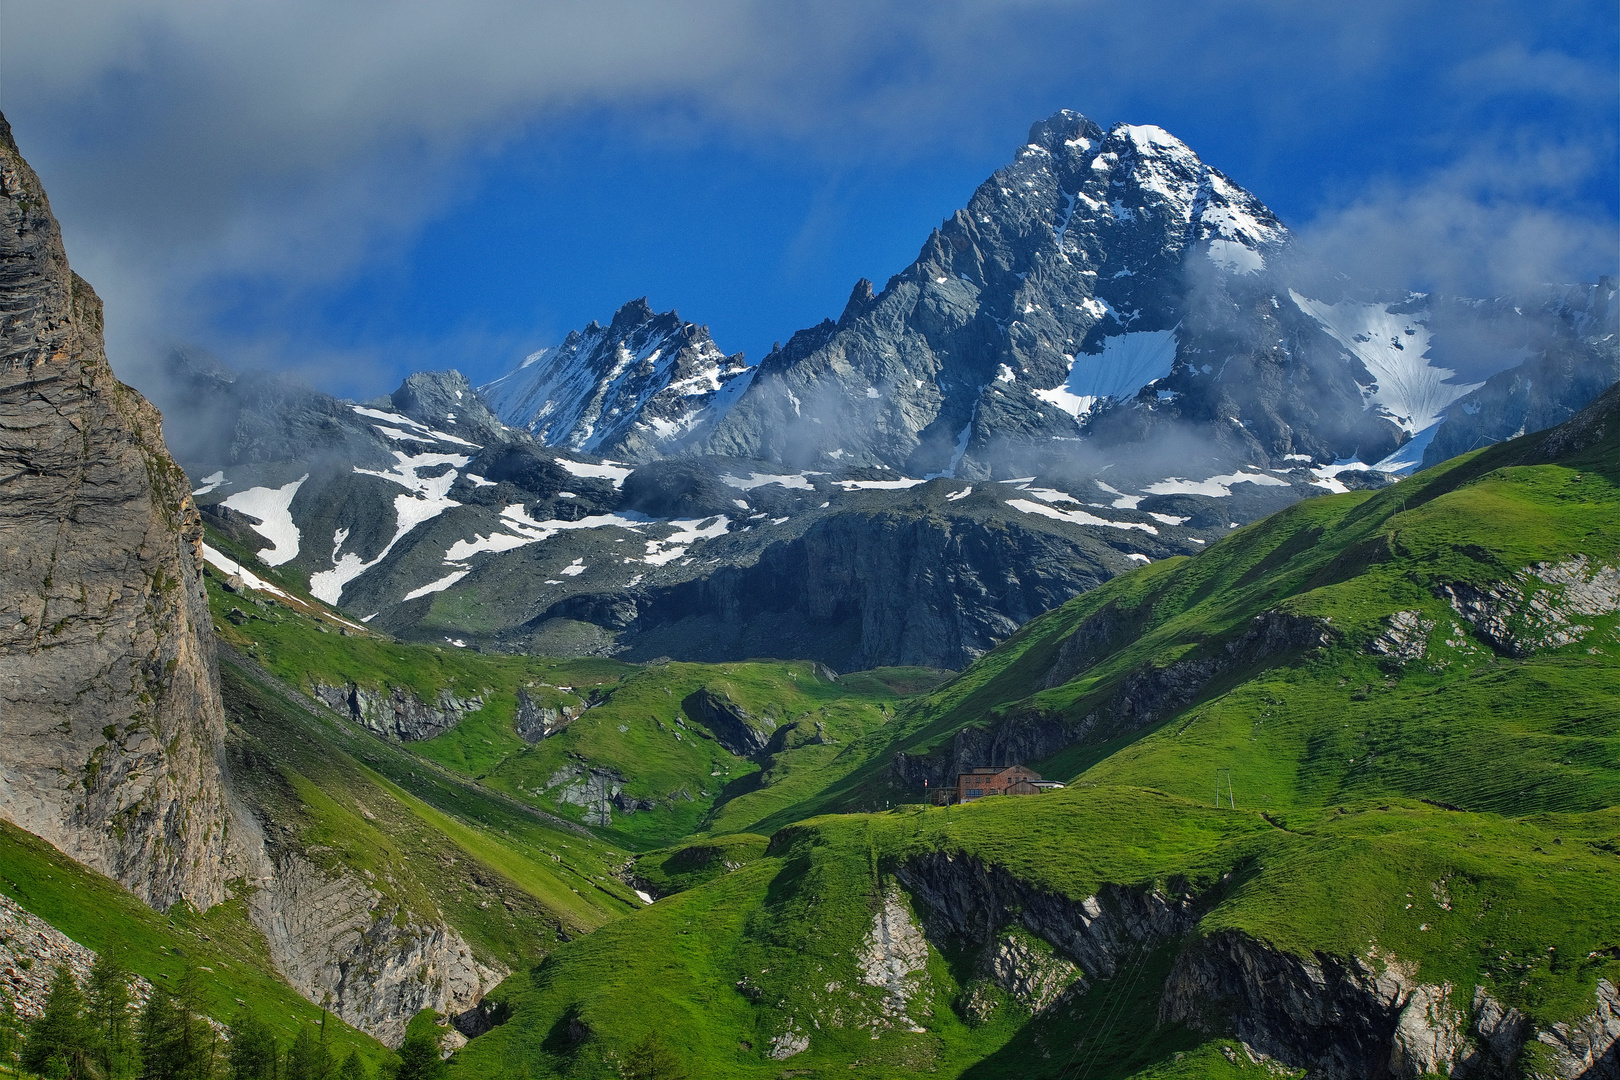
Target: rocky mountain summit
[
  {"x": 642, "y": 387},
  {"x": 110, "y": 715}
]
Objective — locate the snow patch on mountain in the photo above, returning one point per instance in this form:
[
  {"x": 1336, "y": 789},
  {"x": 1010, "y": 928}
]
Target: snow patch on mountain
[
  {"x": 438, "y": 586},
  {"x": 209, "y": 483},
  {"x": 753, "y": 480},
  {"x": 1233, "y": 256},
  {"x": 1395, "y": 350},
  {"x": 272, "y": 506},
  {"x": 1127, "y": 363},
  {"x": 1409, "y": 457},
  {"x": 1215, "y": 487},
  {"x": 686, "y": 533},
  {"x": 229, "y": 566},
  {"x": 418, "y": 432},
  {"x": 1077, "y": 517},
  {"x": 607, "y": 470}
]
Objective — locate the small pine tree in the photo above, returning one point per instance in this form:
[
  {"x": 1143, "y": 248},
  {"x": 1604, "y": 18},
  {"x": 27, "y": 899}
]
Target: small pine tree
[
  {"x": 157, "y": 1036},
  {"x": 354, "y": 1068},
  {"x": 652, "y": 1059},
  {"x": 57, "y": 1039},
  {"x": 196, "y": 1044},
  {"x": 109, "y": 1012},
  {"x": 10, "y": 1038},
  {"x": 253, "y": 1054},
  {"x": 309, "y": 1058},
  {"x": 419, "y": 1058}
]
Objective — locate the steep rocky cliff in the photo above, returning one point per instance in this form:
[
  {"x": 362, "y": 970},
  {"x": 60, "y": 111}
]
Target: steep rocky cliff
[{"x": 110, "y": 716}]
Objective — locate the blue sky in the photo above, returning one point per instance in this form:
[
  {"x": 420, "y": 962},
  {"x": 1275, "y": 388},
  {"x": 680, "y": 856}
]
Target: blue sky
[{"x": 353, "y": 191}]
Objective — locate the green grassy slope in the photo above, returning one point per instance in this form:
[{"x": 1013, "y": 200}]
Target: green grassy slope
[
  {"x": 1314, "y": 729},
  {"x": 1454, "y": 808},
  {"x": 676, "y": 777}
]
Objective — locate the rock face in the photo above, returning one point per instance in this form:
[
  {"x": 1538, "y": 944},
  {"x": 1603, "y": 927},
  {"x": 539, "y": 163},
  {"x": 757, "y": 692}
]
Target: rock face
[
  {"x": 535, "y": 722},
  {"x": 734, "y": 727},
  {"x": 1590, "y": 1047},
  {"x": 1539, "y": 607},
  {"x": 894, "y": 958},
  {"x": 338, "y": 944},
  {"x": 1361, "y": 1018},
  {"x": 1336, "y": 1018},
  {"x": 972, "y": 903},
  {"x": 636, "y": 389},
  {"x": 398, "y": 714},
  {"x": 110, "y": 716},
  {"x": 1029, "y": 971}
]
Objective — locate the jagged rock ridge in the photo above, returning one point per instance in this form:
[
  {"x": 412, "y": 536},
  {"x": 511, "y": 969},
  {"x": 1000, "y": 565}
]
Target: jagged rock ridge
[{"x": 639, "y": 388}]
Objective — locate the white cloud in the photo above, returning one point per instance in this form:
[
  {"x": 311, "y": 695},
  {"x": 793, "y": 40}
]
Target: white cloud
[{"x": 277, "y": 145}]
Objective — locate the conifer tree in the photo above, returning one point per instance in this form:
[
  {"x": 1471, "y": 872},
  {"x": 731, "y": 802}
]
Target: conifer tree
[
  {"x": 109, "y": 1013},
  {"x": 419, "y": 1057},
  {"x": 10, "y": 1038},
  {"x": 354, "y": 1068},
  {"x": 57, "y": 1039},
  {"x": 309, "y": 1058},
  {"x": 253, "y": 1048},
  {"x": 176, "y": 1043},
  {"x": 158, "y": 1037}
]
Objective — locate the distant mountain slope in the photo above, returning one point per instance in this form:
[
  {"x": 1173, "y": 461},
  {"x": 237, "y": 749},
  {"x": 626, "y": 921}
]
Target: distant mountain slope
[
  {"x": 1342, "y": 804},
  {"x": 424, "y": 515},
  {"x": 1572, "y": 354},
  {"x": 1105, "y": 358}
]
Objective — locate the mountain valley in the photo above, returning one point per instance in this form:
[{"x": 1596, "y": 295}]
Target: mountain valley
[{"x": 624, "y": 715}]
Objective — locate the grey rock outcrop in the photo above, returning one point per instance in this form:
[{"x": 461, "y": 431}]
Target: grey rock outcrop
[
  {"x": 1405, "y": 639},
  {"x": 398, "y": 714},
  {"x": 375, "y": 965},
  {"x": 1589, "y": 1048},
  {"x": 535, "y": 721},
  {"x": 964, "y": 900},
  {"x": 894, "y": 958},
  {"x": 110, "y": 717},
  {"x": 734, "y": 727},
  {"x": 1348, "y": 1019},
  {"x": 1337, "y": 1018},
  {"x": 1538, "y": 608},
  {"x": 599, "y": 792},
  {"x": 1030, "y": 972}
]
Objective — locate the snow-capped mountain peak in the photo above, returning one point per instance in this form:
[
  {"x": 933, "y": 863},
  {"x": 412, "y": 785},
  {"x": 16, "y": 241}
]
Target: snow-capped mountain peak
[{"x": 638, "y": 388}]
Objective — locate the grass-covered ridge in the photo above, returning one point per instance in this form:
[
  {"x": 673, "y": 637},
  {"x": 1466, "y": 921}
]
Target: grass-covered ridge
[{"x": 1348, "y": 563}]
